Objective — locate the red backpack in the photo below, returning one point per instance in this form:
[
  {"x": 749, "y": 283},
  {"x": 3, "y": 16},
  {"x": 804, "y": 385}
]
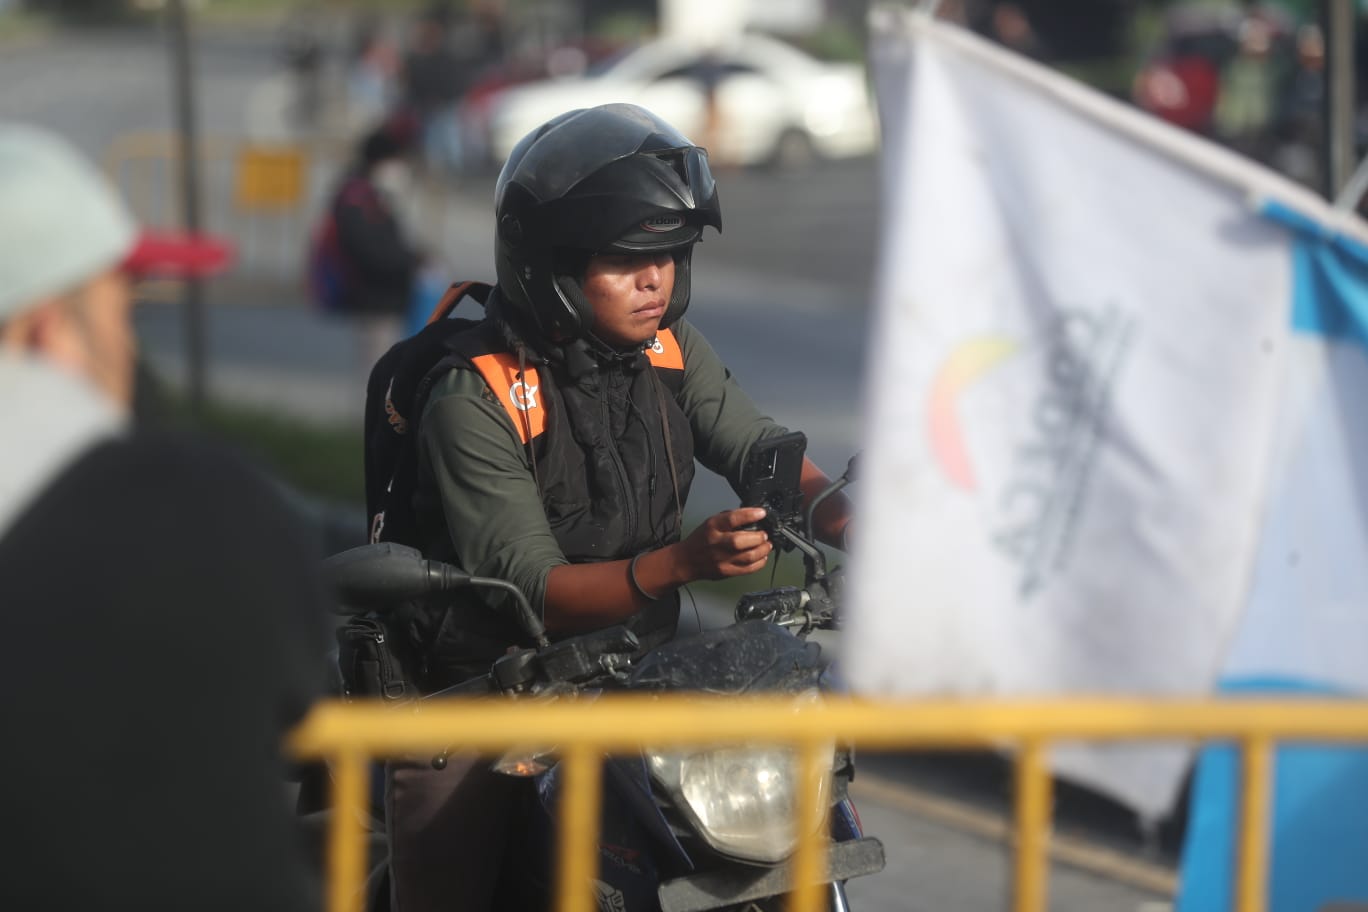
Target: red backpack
[{"x": 327, "y": 268}]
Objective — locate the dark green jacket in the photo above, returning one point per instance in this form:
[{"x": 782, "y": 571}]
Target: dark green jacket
[{"x": 478, "y": 498}]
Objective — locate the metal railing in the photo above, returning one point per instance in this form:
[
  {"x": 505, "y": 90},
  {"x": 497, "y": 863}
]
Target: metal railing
[
  {"x": 260, "y": 195},
  {"x": 264, "y": 196},
  {"x": 349, "y": 735}
]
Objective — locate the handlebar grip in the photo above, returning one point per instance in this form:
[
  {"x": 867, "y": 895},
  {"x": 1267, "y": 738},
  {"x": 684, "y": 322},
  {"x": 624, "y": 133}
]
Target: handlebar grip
[{"x": 774, "y": 605}]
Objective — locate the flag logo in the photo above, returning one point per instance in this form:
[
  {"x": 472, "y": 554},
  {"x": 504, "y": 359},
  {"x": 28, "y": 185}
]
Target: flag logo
[{"x": 966, "y": 364}]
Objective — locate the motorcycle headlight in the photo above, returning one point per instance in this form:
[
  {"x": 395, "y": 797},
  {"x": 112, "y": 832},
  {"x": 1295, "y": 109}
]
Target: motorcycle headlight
[{"x": 742, "y": 800}]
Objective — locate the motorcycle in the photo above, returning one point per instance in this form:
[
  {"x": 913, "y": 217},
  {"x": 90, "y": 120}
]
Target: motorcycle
[{"x": 680, "y": 831}]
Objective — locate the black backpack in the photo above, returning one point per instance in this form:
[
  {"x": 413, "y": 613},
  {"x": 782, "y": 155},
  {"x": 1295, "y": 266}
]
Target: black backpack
[{"x": 396, "y": 392}]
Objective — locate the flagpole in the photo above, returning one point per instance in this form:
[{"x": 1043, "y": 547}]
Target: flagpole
[
  {"x": 1353, "y": 191},
  {"x": 183, "y": 85},
  {"x": 1337, "y": 25}
]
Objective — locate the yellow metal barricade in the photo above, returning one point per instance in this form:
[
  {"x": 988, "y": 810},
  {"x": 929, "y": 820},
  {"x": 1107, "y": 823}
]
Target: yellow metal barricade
[
  {"x": 348, "y": 734},
  {"x": 144, "y": 167},
  {"x": 262, "y": 195},
  {"x": 256, "y": 194},
  {"x": 270, "y": 177}
]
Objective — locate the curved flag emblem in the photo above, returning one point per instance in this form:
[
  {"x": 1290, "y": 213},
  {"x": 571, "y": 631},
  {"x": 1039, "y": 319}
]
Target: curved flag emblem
[{"x": 967, "y": 363}]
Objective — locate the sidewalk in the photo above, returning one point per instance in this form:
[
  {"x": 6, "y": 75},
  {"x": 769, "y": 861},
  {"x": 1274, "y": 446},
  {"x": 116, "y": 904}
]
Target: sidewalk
[
  {"x": 267, "y": 345},
  {"x": 275, "y": 353}
]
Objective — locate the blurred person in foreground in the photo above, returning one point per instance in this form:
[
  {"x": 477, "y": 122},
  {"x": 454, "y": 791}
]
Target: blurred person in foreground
[
  {"x": 571, "y": 484},
  {"x": 162, "y": 630}
]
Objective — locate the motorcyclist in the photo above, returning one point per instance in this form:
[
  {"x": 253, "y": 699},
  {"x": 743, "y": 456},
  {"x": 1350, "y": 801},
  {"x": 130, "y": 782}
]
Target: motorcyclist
[{"x": 559, "y": 453}]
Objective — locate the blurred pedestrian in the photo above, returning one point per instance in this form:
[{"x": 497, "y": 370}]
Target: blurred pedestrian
[
  {"x": 373, "y": 73},
  {"x": 302, "y": 52},
  {"x": 710, "y": 72},
  {"x": 480, "y": 49},
  {"x": 1301, "y": 111},
  {"x": 955, "y": 11},
  {"x": 1011, "y": 27},
  {"x": 1180, "y": 87},
  {"x": 432, "y": 82},
  {"x": 363, "y": 246},
  {"x": 163, "y": 630},
  {"x": 1249, "y": 89}
]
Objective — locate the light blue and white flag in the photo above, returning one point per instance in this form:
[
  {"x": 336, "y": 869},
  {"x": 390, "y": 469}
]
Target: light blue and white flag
[
  {"x": 1094, "y": 410},
  {"x": 1305, "y": 625}
]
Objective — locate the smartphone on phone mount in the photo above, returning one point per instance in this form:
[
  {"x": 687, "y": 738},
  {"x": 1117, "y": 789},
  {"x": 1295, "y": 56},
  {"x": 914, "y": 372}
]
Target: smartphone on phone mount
[{"x": 771, "y": 479}]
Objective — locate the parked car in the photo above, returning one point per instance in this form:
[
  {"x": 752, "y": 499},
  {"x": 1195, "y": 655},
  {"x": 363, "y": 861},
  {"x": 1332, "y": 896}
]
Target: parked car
[
  {"x": 773, "y": 103},
  {"x": 561, "y": 62}
]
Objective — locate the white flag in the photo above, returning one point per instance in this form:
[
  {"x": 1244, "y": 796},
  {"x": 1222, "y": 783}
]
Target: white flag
[{"x": 1081, "y": 334}]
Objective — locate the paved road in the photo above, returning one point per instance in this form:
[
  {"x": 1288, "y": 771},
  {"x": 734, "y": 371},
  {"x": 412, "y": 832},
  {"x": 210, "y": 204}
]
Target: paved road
[{"x": 782, "y": 294}]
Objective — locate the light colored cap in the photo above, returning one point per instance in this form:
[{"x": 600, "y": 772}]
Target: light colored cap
[{"x": 62, "y": 223}]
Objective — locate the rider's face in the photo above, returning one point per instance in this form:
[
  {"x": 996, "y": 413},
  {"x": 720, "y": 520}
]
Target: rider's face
[{"x": 629, "y": 294}]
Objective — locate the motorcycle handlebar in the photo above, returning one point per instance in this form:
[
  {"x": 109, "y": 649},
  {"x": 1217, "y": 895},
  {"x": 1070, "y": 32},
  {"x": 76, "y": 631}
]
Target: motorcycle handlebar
[
  {"x": 378, "y": 576},
  {"x": 778, "y": 606}
]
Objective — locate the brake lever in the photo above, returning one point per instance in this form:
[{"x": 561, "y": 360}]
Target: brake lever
[
  {"x": 782, "y": 606},
  {"x": 812, "y": 556},
  {"x": 827, "y": 600}
]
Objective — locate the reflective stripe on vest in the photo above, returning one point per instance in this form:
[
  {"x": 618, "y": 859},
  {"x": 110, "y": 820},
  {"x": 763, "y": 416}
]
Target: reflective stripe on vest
[
  {"x": 522, "y": 399},
  {"x": 665, "y": 351}
]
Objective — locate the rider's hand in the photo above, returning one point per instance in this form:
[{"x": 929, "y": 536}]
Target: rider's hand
[{"x": 722, "y": 546}]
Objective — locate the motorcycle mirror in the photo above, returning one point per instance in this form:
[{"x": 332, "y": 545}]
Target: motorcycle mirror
[
  {"x": 850, "y": 474},
  {"x": 384, "y": 574},
  {"x": 372, "y": 575},
  {"x": 830, "y": 489}
]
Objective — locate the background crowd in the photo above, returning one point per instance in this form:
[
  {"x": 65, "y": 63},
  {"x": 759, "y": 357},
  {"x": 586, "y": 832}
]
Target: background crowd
[{"x": 1250, "y": 75}]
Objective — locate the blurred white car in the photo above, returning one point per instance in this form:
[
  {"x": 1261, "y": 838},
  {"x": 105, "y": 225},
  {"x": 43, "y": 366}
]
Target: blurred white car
[{"x": 775, "y": 104}]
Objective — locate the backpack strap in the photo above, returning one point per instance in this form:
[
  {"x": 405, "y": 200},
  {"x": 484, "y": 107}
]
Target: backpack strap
[
  {"x": 396, "y": 393},
  {"x": 477, "y": 290}
]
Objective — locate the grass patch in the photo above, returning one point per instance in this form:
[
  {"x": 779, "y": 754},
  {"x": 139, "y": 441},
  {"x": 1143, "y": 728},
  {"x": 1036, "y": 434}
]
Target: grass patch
[
  {"x": 324, "y": 461},
  {"x": 19, "y": 26},
  {"x": 320, "y": 460},
  {"x": 233, "y": 11}
]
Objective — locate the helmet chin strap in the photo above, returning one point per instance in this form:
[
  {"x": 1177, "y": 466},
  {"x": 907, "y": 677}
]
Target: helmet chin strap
[
  {"x": 574, "y": 294},
  {"x": 679, "y": 295},
  {"x": 573, "y": 291}
]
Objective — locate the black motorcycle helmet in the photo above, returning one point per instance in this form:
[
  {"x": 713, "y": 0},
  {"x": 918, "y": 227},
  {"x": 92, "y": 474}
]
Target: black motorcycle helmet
[{"x": 594, "y": 180}]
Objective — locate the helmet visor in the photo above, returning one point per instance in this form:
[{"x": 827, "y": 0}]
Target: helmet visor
[{"x": 658, "y": 232}]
